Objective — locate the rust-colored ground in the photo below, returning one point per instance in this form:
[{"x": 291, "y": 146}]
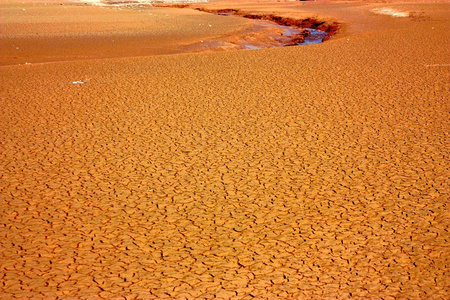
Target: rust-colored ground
[
  {"x": 306, "y": 172},
  {"x": 38, "y": 32}
]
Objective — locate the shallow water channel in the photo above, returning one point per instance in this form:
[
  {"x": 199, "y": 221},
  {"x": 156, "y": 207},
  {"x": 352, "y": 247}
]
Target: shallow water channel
[{"x": 286, "y": 38}]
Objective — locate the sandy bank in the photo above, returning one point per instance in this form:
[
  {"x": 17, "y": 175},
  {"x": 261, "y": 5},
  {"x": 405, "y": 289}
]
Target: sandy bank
[{"x": 36, "y": 32}]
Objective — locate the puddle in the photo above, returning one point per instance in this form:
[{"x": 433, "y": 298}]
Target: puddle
[
  {"x": 312, "y": 36},
  {"x": 288, "y": 35},
  {"x": 263, "y": 34},
  {"x": 315, "y": 37}
]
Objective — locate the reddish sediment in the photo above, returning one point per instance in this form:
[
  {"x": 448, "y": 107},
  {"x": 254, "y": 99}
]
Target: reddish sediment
[
  {"x": 331, "y": 28},
  {"x": 311, "y": 172}
]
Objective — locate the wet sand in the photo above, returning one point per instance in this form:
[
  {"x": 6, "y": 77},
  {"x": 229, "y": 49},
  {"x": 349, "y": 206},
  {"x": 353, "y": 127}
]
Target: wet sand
[
  {"x": 308, "y": 172},
  {"x": 37, "y": 32}
]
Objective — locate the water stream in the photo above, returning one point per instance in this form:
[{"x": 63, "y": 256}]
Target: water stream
[{"x": 289, "y": 37}]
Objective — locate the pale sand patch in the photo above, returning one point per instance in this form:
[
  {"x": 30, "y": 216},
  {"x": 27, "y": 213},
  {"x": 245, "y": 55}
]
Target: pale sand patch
[{"x": 390, "y": 12}]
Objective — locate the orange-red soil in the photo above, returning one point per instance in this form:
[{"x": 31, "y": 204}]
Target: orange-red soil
[{"x": 311, "y": 172}]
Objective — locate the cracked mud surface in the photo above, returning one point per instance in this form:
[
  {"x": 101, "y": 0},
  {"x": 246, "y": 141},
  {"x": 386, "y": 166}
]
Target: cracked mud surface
[{"x": 290, "y": 172}]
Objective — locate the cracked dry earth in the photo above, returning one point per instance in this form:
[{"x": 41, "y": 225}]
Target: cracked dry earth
[{"x": 290, "y": 172}]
